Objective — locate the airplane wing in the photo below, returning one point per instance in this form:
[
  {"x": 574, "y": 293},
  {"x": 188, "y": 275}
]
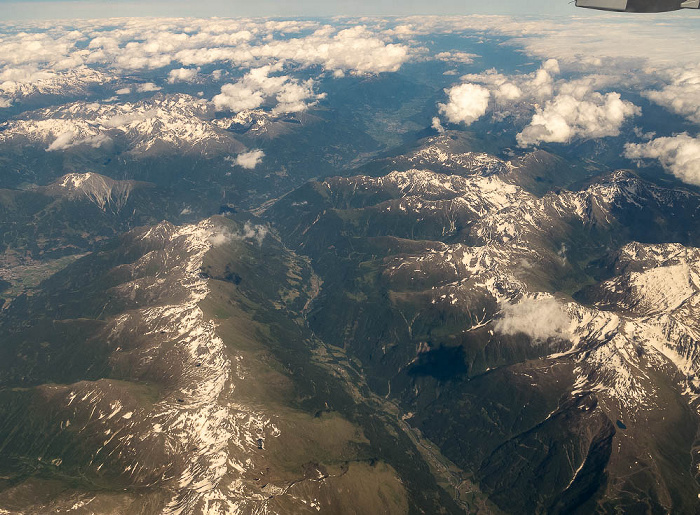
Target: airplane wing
[{"x": 639, "y": 6}]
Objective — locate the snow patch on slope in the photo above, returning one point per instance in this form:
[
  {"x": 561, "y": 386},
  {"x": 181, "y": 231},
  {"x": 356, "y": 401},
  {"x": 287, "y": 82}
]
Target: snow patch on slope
[
  {"x": 176, "y": 121},
  {"x": 656, "y": 296},
  {"x": 106, "y": 193}
]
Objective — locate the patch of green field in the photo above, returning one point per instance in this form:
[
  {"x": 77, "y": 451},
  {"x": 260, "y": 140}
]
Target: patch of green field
[{"x": 26, "y": 275}]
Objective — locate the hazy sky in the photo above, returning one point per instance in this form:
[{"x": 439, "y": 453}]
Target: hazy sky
[{"x": 28, "y": 9}]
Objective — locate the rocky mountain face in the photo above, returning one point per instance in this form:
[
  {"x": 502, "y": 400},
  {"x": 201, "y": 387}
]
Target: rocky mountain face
[
  {"x": 180, "y": 143},
  {"x": 105, "y": 193},
  {"x": 461, "y": 296},
  {"x": 76, "y": 82},
  {"x": 74, "y": 214},
  {"x": 440, "y": 331},
  {"x": 156, "y": 125},
  {"x": 342, "y": 266}
]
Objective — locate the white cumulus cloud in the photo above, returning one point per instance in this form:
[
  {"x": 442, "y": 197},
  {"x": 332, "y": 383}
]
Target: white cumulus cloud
[
  {"x": 550, "y": 109},
  {"x": 244, "y": 43},
  {"x": 249, "y": 160},
  {"x": 574, "y": 39},
  {"x": 257, "y": 87},
  {"x": 566, "y": 117},
  {"x": 147, "y": 87},
  {"x": 437, "y": 125},
  {"x": 456, "y": 57},
  {"x": 679, "y": 155},
  {"x": 539, "y": 318},
  {"x": 70, "y": 139},
  {"x": 183, "y": 75},
  {"x": 532, "y": 87},
  {"x": 470, "y": 100},
  {"x": 508, "y": 91},
  {"x": 681, "y": 95},
  {"x": 466, "y": 103},
  {"x": 253, "y": 233},
  {"x": 355, "y": 49},
  {"x": 238, "y": 97}
]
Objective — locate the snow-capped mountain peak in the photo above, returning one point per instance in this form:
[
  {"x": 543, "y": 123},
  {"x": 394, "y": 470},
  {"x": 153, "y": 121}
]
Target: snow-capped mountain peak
[{"x": 162, "y": 122}]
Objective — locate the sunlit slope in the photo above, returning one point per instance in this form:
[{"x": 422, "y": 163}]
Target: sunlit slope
[{"x": 172, "y": 371}]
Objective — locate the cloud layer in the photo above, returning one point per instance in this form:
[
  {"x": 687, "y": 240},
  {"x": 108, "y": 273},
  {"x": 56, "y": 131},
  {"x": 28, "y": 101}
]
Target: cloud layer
[
  {"x": 47, "y": 51},
  {"x": 142, "y": 56},
  {"x": 580, "y": 91}
]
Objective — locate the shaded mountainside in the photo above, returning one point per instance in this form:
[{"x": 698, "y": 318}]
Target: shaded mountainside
[
  {"x": 455, "y": 293},
  {"x": 172, "y": 371}
]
